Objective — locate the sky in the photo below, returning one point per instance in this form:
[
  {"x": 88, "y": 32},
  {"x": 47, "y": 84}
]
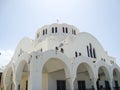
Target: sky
[{"x": 22, "y": 18}]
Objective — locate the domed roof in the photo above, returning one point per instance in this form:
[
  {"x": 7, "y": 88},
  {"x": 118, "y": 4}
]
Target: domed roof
[{"x": 56, "y": 29}]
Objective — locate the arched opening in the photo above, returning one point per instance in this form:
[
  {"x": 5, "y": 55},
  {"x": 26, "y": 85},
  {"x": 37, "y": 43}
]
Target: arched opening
[
  {"x": 54, "y": 75},
  {"x": 9, "y": 80},
  {"x": 84, "y": 76},
  {"x": 116, "y": 79},
  {"x": 103, "y": 79},
  {"x": 22, "y": 76}
]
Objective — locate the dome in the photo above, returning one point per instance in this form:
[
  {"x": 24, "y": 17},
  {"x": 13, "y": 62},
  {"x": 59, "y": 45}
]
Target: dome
[{"x": 56, "y": 29}]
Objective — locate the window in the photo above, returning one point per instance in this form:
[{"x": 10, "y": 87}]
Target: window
[
  {"x": 63, "y": 30},
  {"x": 76, "y": 54},
  {"x": 46, "y": 31},
  {"x": 91, "y": 50},
  {"x": 52, "y": 30},
  {"x": 79, "y": 54},
  {"x": 56, "y": 48},
  {"x": 37, "y": 35},
  {"x": 81, "y": 85},
  {"x": 62, "y": 50},
  {"x": 43, "y": 32},
  {"x": 61, "y": 85},
  {"x": 74, "y": 32},
  {"x": 55, "y": 29},
  {"x": 66, "y": 30},
  {"x": 41, "y": 49},
  {"x": 88, "y": 51},
  {"x": 94, "y": 54}
]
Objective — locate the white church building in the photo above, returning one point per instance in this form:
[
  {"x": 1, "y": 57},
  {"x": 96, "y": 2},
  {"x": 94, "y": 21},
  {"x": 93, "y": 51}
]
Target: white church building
[{"x": 60, "y": 58}]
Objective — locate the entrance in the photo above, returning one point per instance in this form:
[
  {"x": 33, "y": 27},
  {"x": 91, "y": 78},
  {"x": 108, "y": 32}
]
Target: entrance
[
  {"x": 81, "y": 85},
  {"x": 107, "y": 85},
  {"x": 61, "y": 85}
]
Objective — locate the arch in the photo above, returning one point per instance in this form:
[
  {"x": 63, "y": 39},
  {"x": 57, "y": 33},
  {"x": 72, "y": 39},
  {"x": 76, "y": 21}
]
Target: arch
[
  {"x": 61, "y": 57},
  {"x": 84, "y": 73},
  {"x": 114, "y": 66},
  {"x": 8, "y": 79},
  {"x": 22, "y": 74},
  {"x": 20, "y": 68},
  {"x": 88, "y": 62},
  {"x": 115, "y": 70},
  {"x": 55, "y": 66},
  {"x": 105, "y": 67},
  {"x": 104, "y": 75}
]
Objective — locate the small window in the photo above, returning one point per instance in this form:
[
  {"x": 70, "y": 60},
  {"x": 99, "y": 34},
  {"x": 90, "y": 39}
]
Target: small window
[
  {"x": 76, "y": 55},
  {"x": 62, "y": 50},
  {"x": 88, "y": 51},
  {"x": 74, "y": 32},
  {"x": 91, "y": 54},
  {"x": 66, "y": 30},
  {"x": 38, "y": 35},
  {"x": 55, "y": 29},
  {"x": 46, "y": 31},
  {"x": 63, "y": 30},
  {"x": 79, "y": 53},
  {"x": 94, "y": 54},
  {"x": 56, "y": 48},
  {"x": 41, "y": 50},
  {"x": 52, "y": 30},
  {"x": 43, "y": 32}
]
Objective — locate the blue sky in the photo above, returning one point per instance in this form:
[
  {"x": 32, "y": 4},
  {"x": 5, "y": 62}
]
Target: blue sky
[{"x": 20, "y": 18}]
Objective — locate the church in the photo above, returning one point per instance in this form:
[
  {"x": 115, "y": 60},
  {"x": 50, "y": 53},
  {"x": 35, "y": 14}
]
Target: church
[{"x": 60, "y": 58}]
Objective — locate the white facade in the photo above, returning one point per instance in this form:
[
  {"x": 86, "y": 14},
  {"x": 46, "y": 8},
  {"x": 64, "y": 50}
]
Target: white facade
[{"x": 61, "y": 58}]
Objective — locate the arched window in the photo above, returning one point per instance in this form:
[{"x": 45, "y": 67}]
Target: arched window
[
  {"x": 79, "y": 53},
  {"x": 76, "y": 54},
  {"x": 46, "y": 31},
  {"x": 66, "y": 30},
  {"x": 52, "y": 29},
  {"x": 88, "y": 51},
  {"x": 62, "y": 50},
  {"x": 63, "y": 30},
  {"x": 91, "y": 54},
  {"x": 43, "y": 32},
  {"x": 74, "y": 32},
  {"x": 55, "y": 29},
  {"x": 56, "y": 48},
  {"x": 41, "y": 49},
  {"x": 37, "y": 35},
  {"x": 94, "y": 54}
]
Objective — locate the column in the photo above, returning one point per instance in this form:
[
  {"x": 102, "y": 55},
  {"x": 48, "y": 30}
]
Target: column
[
  {"x": 16, "y": 86},
  {"x": 94, "y": 80},
  {"x": 111, "y": 86},
  {"x": 71, "y": 82}
]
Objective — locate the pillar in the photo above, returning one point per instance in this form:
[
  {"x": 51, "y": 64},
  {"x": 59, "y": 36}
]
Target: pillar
[
  {"x": 94, "y": 80},
  {"x": 71, "y": 82},
  {"x": 16, "y": 85},
  {"x": 111, "y": 85}
]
